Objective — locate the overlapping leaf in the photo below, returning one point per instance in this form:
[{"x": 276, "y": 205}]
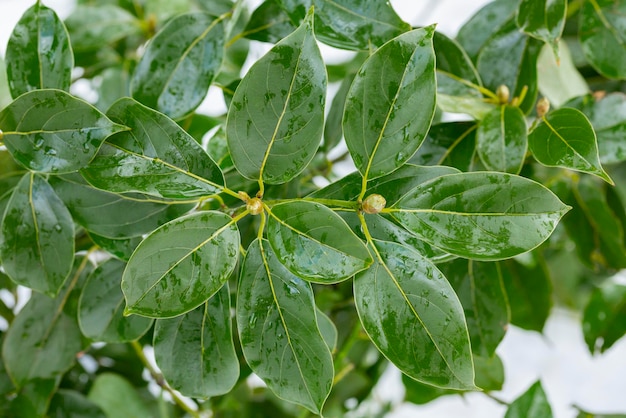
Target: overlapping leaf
[
  {"x": 484, "y": 215},
  {"x": 391, "y": 103},
  {"x": 413, "y": 316},
  {"x": 278, "y": 330},
  {"x": 269, "y": 23},
  {"x": 543, "y": 19},
  {"x": 565, "y": 138},
  {"x": 314, "y": 243},
  {"x": 502, "y": 140},
  {"x": 156, "y": 157},
  {"x": 179, "y": 64},
  {"x": 180, "y": 265},
  {"x": 75, "y": 404},
  {"x": 51, "y": 131},
  {"x": 275, "y": 120},
  {"x": 39, "y": 55},
  {"x": 451, "y": 144},
  {"x": 93, "y": 26},
  {"x": 195, "y": 351}
]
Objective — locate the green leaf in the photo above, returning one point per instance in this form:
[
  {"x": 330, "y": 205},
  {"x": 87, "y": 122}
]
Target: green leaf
[
  {"x": 413, "y": 316},
  {"x": 37, "y": 245},
  {"x": 32, "y": 400},
  {"x": 121, "y": 248},
  {"x": 101, "y": 306},
  {"x": 489, "y": 372},
  {"x": 314, "y": 243},
  {"x": 603, "y": 322},
  {"x": 276, "y": 117},
  {"x": 110, "y": 215},
  {"x": 484, "y": 216},
  {"x": 350, "y": 24},
  {"x": 51, "y": 131},
  {"x": 195, "y": 351},
  {"x": 480, "y": 288},
  {"x": 156, "y": 157},
  {"x": 181, "y": 265},
  {"x": 449, "y": 144},
  {"x": 278, "y": 330},
  {"x": 533, "y": 403},
  {"x": 39, "y": 54},
  {"x": 559, "y": 81},
  {"x": 543, "y": 19},
  {"x": 333, "y": 130},
  {"x": 565, "y": 138},
  {"x": 327, "y": 329},
  {"x": 5, "y": 92},
  {"x": 71, "y": 403},
  {"x": 179, "y": 64},
  {"x": 502, "y": 140},
  {"x": 602, "y": 36},
  {"x": 268, "y": 23},
  {"x": 391, "y": 104},
  {"x": 117, "y": 397},
  {"x": 92, "y": 27},
  {"x": 42, "y": 341}
]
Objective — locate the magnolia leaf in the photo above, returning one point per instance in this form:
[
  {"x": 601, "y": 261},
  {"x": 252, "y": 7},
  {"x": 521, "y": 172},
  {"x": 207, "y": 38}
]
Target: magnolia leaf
[{"x": 502, "y": 140}]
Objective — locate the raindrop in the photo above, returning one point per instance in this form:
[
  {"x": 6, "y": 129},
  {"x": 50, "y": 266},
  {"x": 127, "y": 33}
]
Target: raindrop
[
  {"x": 58, "y": 228},
  {"x": 39, "y": 143}
]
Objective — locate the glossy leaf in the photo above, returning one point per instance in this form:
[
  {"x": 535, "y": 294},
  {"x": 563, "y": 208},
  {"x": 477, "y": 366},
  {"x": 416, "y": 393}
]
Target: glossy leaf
[
  {"x": 314, "y": 243},
  {"x": 333, "y": 130},
  {"x": 269, "y": 23},
  {"x": 39, "y": 55},
  {"x": 276, "y": 117},
  {"x": 195, "y": 351},
  {"x": 179, "y": 64},
  {"x": 92, "y": 26},
  {"x": 74, "y": 404},
  {"x": 502, "y": 140},
  {"x": 42, "y": 341},
  {"x": 327, "y": 329},
  {"x": 602, "y": 36},
  {"x": 101, "y": 307},
  {"x": 533, "y": 403},
  {"x": 51, "y": 131},
  {"x": 565, "y": 138},
  {"x": 156, "y": 157},
  {"x": 391, "y": 104},
  {"x": 603, "y": 317},
  {"x": 121, "y": 248},
  {"x": 484, "y": 216},
  {"x": 117, "y": 397},
  {"x": 543, "y": 19},
  {"x": 413, "y": 316},
  {"x": 350, "y": 24},
  {"x": 180, "y": 265},
  {"x": 111, "y": 215},
  {"x": 449, "y": 144},
  {"x": 37, "y": 246},
  {"x": 278, "y": 330}
]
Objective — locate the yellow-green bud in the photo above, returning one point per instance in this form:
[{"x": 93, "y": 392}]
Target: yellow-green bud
[
  {"x": 503, "y": 94},
  {"x": 254, "y": 206},
  {"x": 373, "y": 204},
  {"x": 543, "y": 106}
]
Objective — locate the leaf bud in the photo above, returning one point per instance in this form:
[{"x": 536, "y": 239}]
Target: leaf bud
[
  {"x": 503, "y": 94},
  {"x": 373, "y": 204},
  {"x": 254, "y": 206},
  {"x": 543, "y": 106}
]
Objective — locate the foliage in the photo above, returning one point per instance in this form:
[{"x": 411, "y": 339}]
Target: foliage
[{"x": 139, "y": 221}]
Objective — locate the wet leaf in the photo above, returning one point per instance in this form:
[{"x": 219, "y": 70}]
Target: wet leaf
[
  {"x": 278, "y": 330},
  {"x": 483, "y": 215},
  {"x": 276, "y": 117},
  {"x": 502, "y": 140},
  {"x": 269, "y": 23},
  {"x": 121, "y": 248},
  {"x": 51, "y": 131},
  {"x": 37, "y": 245},
  {"x": 92, "y": 26},
  {"x": 533, "y": 403},
  {"x": 180, "y": 265},
  {"x": 333, "y": 130},
  {"x": 195, "y": 351},
  {"x": 602, "y": 36},
  {"x": 565, "y": 138},
  {"x": 413, "y": 316},
  {"x": 74, "y": 404},
  {"x": 101, "y": 307},
  {"x": 156, "y": 157},
  {"x": 391, "y": 102},
  {"x": 450, "y": 144},
  {"x": 603, "y": 317},
  {"x": 543, "y": 19},
  {"x": 314, "y": 243},
  {"x": 327, "y": 329},
  {"x": 39, "y": 55},
  {"x": 179, "y": 64}
]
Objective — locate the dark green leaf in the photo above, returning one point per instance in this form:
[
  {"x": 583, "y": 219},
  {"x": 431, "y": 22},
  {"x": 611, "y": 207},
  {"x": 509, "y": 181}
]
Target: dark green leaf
[
  {"x": 73, "y": 404},
  {"x": 533, "y": 403},
  {"x": 180, "y": 62},
  {"x": 603, "y": 321},
  {"x": 37, "y": 246},
  {"x": 117, "y": 397},
  {"x": 413, "y": 316},
  {"x": 489, "y": 372},
  {"x": 565, "y": 138},
  {"x": 333, "y": 131},
  {"x": 156, "y": 157},
  {"x": 122, "y": 248},
  {"x": 501, "y": 139},
  {"x": 180, "y": 265},
  {"x": 391, "y": 102},
  {"x": 602, "y": 36},
  {"x": 195, "y": 351},
  {"x": 91, "y": 27},
  {"x": 114, "y": 85},
  {"x": 32, "y": 400},
  {"x": 101, "y": 307},
  {"x": 543, "y": 19},
  {"x": 278, "y": 330},
  {"x": 314, "y": 243},
  {"x": 480, "y": 215},
  {"x": 452, "y": 144},
  {"x": 39, "y": 55},
  {"x": 269, "y": 23},
  {"x": 327, "y": 329},
  {"x": 51, "y": 131},
  {"x": 276, "y": 118}
]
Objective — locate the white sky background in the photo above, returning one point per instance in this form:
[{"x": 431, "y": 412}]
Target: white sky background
[{"x": 559, "y": 357}]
